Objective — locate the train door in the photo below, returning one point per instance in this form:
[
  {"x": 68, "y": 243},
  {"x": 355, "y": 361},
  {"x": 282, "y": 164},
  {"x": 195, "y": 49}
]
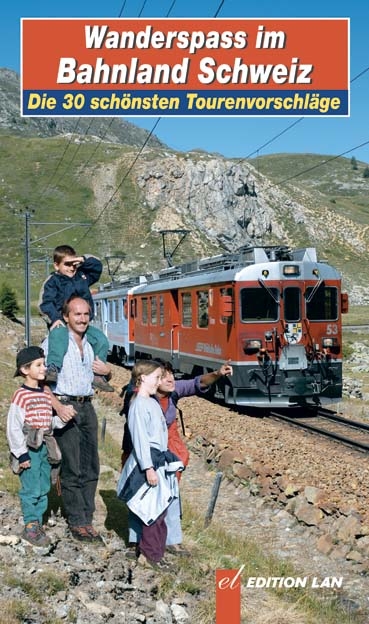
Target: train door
[
  {"x": 123, "y": 324},
  {"x": 174, "y": 329},
  {"x": 105, "y": 317}
]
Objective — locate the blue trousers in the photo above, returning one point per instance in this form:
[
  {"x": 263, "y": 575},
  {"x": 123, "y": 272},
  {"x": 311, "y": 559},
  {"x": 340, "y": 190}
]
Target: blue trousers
[
  {"x": 80, "y": 464},
  {"x": 35, "y": 485},
  {"x": 59, "y": 339}
]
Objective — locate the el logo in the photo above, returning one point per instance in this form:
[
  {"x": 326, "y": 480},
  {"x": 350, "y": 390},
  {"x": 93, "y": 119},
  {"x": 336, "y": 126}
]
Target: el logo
[{"x": 228, "y": 596}]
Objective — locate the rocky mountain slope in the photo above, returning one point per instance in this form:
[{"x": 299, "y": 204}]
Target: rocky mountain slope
[
  {"x": 113, "y": 130},
  {"x": 97, "y": 171}
]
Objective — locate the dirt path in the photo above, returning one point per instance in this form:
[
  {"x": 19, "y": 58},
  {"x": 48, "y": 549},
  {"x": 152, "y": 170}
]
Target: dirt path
[{"x": 275, "y": 530}]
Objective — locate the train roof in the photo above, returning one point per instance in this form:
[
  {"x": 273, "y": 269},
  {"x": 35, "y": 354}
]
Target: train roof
[{"x": 234, "y": 266}]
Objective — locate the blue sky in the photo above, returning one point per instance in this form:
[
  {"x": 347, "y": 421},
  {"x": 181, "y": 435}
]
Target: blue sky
[{"x": 233, "y": 137}]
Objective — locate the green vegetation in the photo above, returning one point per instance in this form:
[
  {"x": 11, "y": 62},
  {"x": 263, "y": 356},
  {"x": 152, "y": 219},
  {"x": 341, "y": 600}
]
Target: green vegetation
[
  {"x": 95, "y": 183},
  {"x": 357, "y": 315},
  {"x": 317, "y": 172},
  {"x": 41, "y": 584},
  {"x": 8, "y": 302},
  {"x": 336, "y": 197},
  {"x": 214, "y": 548}
]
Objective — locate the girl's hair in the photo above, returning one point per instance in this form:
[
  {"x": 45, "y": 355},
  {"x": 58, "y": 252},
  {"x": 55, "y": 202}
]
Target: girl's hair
[{"x": 143, "y": 367}]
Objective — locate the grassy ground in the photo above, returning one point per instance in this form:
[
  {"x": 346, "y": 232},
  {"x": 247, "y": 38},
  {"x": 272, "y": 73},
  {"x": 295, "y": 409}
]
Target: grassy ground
[
  {"x": 357, "y": 315},
  {"x": 213, "y": 548}
]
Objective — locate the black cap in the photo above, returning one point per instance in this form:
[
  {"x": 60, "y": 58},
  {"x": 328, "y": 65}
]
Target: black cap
[{"x": 26, "y": 356}]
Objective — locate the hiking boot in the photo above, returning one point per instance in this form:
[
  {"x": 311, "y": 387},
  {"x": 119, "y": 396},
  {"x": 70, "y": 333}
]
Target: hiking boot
[
  {"x": 51, "y": 374},
  {"x": 95, "y": 536},
  {"x": 132, "y": 552},
  {"x": 81, "y": 534},
  {"x": 34, "y": 534},
  {"x": 45, "y": 538},
  {"x": 100, "y": 383}
]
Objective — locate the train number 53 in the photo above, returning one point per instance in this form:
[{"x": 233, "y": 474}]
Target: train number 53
[{"x": 332, "y": 329}]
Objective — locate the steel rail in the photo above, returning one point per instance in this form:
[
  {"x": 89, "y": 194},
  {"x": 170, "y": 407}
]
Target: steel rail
[
  {"x": 345, "y": 421},
  {"x": 330, "y": 434}
]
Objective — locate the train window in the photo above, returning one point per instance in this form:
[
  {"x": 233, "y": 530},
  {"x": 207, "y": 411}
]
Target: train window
[
  {"x": 145, "y": 316},
  {"x": 202, "y": 308},
  {"x": 98, "y": 310},
  {"x": 161, "y": 310},
  {"x": 154, "y": 311},
  {"x": 226, "y": 305},
  {"x": 116, "y": 314},
  {"x": 291, "y": 298},
  {"x": 258, "y": 304},
  {"x": 110, "y": 311},
  {"x": 321, "y": 303},
  {"x": 186, "y": 309}
]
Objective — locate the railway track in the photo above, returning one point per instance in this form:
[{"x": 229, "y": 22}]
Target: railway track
[{"x": 329, "y": 424}]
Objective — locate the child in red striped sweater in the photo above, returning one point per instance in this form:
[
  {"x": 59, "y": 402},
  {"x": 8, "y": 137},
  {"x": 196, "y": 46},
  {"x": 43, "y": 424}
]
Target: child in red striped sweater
[{"x": 33, "y": 449}]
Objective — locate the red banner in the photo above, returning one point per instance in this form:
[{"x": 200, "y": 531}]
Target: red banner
[{"x": 177, "y": 65}]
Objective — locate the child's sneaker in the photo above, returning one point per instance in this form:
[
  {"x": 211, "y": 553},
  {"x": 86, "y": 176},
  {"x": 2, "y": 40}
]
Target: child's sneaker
[
  {"x": 100, "y": 383},
  {"x": 34, "y": 534},
  {"x": 51, "y": 374}
]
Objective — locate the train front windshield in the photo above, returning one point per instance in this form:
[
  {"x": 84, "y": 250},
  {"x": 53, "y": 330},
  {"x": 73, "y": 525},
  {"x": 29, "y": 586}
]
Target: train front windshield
[
  {"x": 322, "y": 303},
  {"x": 263, "y": 304},
  {"x": 259, "y": 304}
]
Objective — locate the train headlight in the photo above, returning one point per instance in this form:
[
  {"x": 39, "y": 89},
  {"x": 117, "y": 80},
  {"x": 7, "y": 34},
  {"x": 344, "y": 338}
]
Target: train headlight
[
  {"x": 291, "y": 270},
  {"x": 329, "y": 342},
  {"x": 252, "y": 345}
]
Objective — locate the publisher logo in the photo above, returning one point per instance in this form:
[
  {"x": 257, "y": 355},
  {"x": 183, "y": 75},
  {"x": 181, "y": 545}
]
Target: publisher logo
[
  {"x": 228, "y": 589},
  {"x": 228, "y": 596}
]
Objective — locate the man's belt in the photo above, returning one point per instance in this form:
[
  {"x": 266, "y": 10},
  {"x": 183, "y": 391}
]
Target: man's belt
[{"x": 77, "y": 399}]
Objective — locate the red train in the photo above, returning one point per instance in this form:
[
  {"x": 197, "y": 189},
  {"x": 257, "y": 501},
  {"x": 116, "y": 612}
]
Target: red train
[{"x": 274, "y": 313}]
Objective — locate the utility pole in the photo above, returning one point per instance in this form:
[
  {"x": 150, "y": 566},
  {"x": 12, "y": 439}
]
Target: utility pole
[{"x": 27, "y": 263}]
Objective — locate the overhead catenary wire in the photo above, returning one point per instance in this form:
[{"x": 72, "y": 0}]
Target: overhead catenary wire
[
  {"x": 122, "y": 8},
  {"x": 121, "y": 182},
  {"x": 256, "y": 151},
  {"x": 321, "y": 164},
  {"x": 142, "y": 8},
  {"x": 113, "y": 118},
  {"x": 284, "y": 131},
  {"x": 90, "y": 124},
  {"x": 219, "y": 8},
  {"x": 49, "y": 185},
  {"x": 140, "y": 151}
]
